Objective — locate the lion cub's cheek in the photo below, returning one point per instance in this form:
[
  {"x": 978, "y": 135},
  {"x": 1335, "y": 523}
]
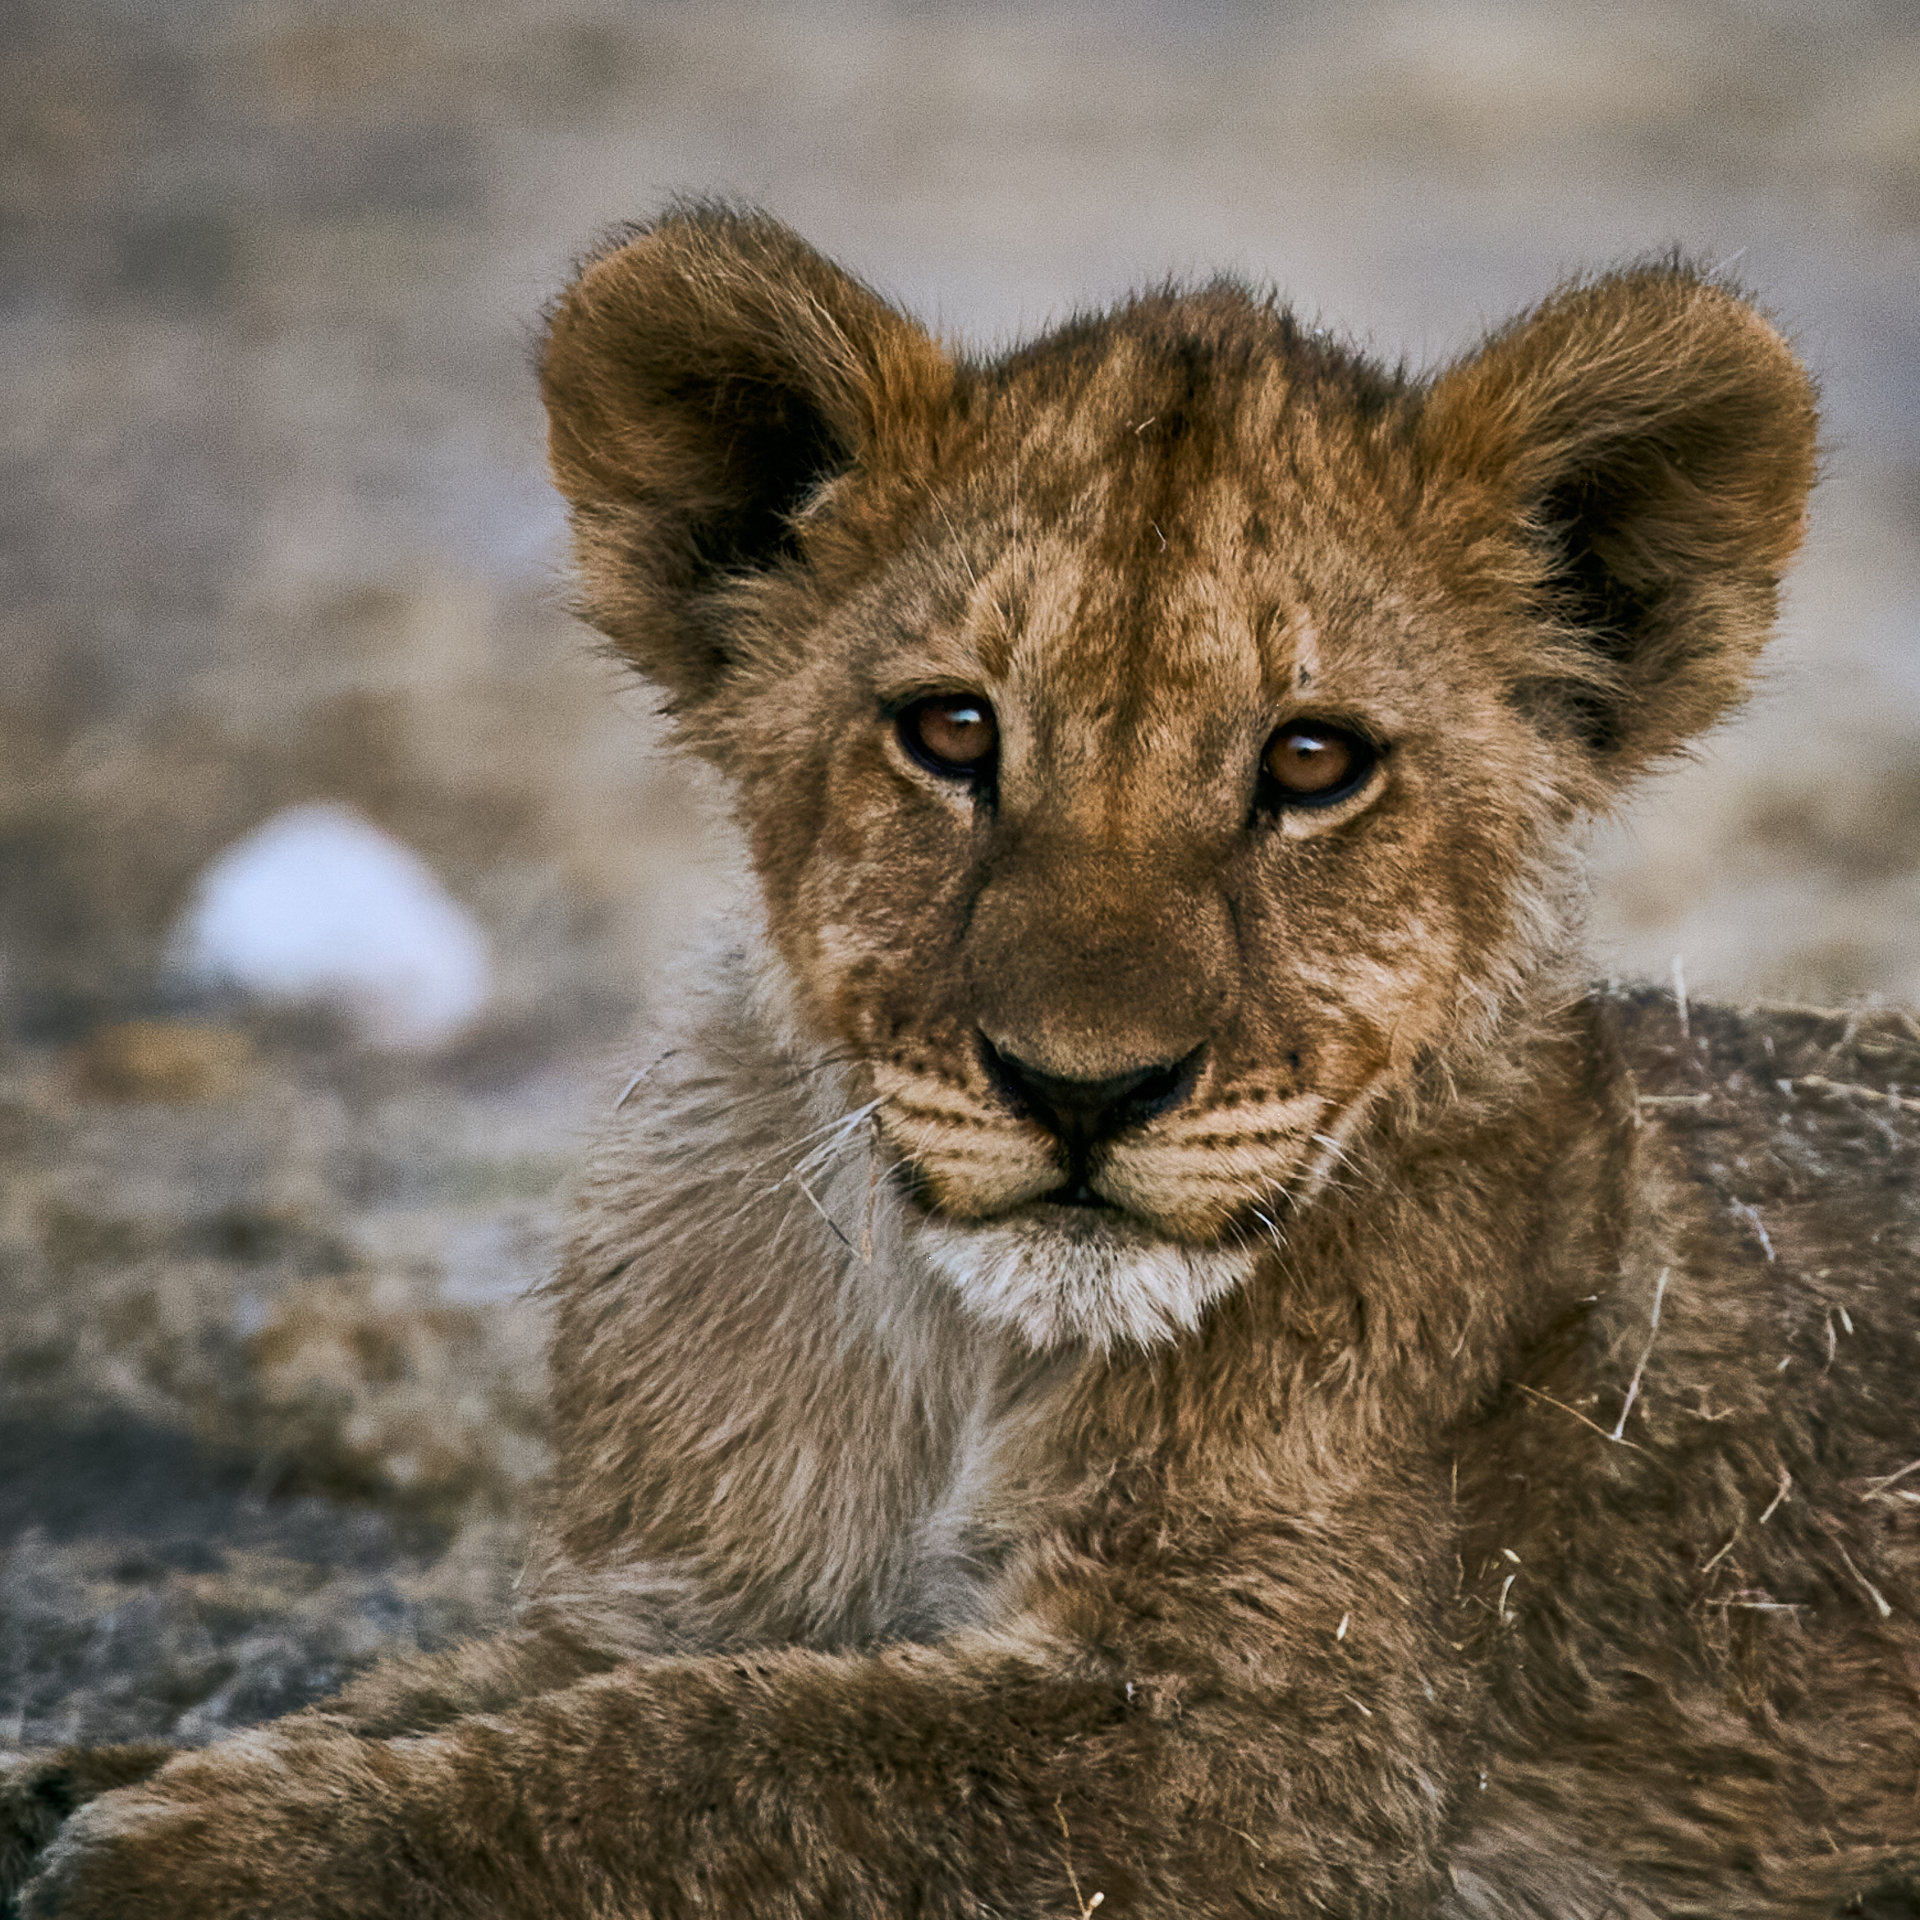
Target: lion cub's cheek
[
  {"x": 969, "y": 1159},
  {"x": 1199, "y": 1176}
]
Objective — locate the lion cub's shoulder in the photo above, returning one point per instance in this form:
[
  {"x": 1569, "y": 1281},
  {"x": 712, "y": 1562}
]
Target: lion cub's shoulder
[{"x": 1800, "y": 1128}]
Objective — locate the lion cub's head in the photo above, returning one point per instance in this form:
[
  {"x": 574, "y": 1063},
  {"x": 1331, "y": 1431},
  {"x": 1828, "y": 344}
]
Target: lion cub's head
[{"x": 1156, "y": 745}]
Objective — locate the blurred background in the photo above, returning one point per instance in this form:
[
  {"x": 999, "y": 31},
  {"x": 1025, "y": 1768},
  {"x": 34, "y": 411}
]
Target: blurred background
[{"x": 274, "y": 534}]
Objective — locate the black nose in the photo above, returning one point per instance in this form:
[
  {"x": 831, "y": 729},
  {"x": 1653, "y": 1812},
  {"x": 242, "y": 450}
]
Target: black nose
[{"x": 1083, "y": 1111}]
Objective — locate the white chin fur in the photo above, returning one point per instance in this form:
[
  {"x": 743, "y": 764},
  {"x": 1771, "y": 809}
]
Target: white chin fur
[{"x": 1104, "y": 1284}]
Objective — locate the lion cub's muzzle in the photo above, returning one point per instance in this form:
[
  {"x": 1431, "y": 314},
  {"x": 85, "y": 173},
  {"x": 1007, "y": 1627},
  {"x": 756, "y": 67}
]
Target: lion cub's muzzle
[
  {"x": 1082, "y": 1114},
  {"x": 1090, "y": 1177}
]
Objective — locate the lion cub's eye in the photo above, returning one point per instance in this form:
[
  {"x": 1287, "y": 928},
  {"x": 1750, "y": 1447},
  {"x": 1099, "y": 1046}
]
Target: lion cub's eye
[
  {"x": 951, "y": 733},
  {"x": 1310, "y": 765}
]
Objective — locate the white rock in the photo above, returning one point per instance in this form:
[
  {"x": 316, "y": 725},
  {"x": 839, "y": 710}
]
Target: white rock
[{"x": 319, "y": 906}]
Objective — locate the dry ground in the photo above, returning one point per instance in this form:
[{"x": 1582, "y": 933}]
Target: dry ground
[{"x": 270, "y": 1389}]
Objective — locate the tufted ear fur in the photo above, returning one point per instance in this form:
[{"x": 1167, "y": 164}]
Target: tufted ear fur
[
  {"x": 704, "y": 379},
  {"x": 1639, "y": 448}
]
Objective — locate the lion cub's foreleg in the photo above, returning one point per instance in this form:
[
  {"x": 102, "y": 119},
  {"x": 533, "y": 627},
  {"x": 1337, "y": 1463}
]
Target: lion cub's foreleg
[
  {"x": 409, "y": 1695},
  {"x": 1089, "y": 1748},
  {"x": 420, "y": 1693}
]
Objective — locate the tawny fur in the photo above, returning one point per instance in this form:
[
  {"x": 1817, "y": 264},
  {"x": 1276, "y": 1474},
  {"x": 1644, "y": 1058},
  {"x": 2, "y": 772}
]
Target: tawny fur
[{"x": 1429, "y": 1484}]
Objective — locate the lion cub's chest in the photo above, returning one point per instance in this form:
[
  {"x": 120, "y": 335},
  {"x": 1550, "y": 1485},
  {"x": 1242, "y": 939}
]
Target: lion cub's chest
[
  {"x": 933, "y": 1516},
  {"x": 956, "y": 1553}
]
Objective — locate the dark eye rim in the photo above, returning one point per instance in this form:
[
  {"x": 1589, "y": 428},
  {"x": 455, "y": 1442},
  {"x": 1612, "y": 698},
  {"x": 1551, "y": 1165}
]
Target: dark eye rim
[
  {"x": 1271, "y": 797},
  {"x": 976, "y": 773}
]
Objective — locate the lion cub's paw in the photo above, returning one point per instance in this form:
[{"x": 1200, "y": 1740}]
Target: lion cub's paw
[
  {"x": 39, "y": 1790},
  {"x": 256, "y": 1827},
  {"x": 116, "y": 1856}
]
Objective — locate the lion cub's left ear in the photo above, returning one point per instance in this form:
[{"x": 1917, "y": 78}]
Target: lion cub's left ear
[
  {"x": 1635, "y": 455},
  {"x": 705, "y": 380}
]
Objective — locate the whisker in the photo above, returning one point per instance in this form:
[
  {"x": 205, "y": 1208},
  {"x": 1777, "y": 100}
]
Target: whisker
[
  {"x": 646, "y": 1073},
  {"x": 1336, "y": 1148},
  {"x": 840, "y": 1123},
  {"x": 815, "y": 1163},
  {"x": 833, "y": 1226},
  {"x": 827, "y": 1150},
  {"x": 1260, "y": 1213},
  {"x": 841, "y": 1133},
  {"x": 829, "y": 1057},
  {"x": 1267, "y": 1221},
  {"x": 806, "y": 1073}
]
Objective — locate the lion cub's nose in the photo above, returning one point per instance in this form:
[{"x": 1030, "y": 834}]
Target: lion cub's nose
[{"x": 1083, "y": 1111}]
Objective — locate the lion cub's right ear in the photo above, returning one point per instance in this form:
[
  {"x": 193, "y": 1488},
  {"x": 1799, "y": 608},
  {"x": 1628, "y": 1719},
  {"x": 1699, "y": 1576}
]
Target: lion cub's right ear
[
  {"x": 703, "y": 381},
  {"x": 1639, "y": 449}
]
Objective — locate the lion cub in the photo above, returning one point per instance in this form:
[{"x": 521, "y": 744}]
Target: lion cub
[{"x": 1141, "y": 1342}]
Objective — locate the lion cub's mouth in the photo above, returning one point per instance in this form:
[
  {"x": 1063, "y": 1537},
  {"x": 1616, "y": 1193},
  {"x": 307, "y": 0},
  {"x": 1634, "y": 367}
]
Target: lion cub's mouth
[
  {"x": 1073, "y": 1204},
  {"x": 1065, "y": 1254},
  {"x": 1084, "y": 1214},
  {"x": 1079, "y": 1195}
]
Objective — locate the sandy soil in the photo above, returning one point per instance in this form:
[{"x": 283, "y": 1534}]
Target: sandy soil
[{"x": 270, "y": 1379}]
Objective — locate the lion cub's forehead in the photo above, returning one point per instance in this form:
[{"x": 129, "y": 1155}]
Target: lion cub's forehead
[
  {"x": 1160, "y": 533},
  {"x": 1196, "y": 492},
  {"x": 1142, "y": 591},
  {"x": 1097, "y": 654}
]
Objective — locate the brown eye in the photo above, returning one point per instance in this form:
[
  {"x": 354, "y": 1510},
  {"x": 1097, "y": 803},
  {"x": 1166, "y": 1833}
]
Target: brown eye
[
  {"x": 1309, "y": 765},
  {"x": 951, "y": 733}
]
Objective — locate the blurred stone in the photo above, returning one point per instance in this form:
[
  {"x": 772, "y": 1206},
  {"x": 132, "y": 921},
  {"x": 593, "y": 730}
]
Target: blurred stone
[
  {"x": 318, "y": 906},
  {"x": 171, "y": 1060}
]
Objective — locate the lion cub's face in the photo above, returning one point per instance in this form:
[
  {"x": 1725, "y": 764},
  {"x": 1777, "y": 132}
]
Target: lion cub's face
[
  {"x": 1130, "y": 875},
  {"x": 1156, "y": 747}
]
